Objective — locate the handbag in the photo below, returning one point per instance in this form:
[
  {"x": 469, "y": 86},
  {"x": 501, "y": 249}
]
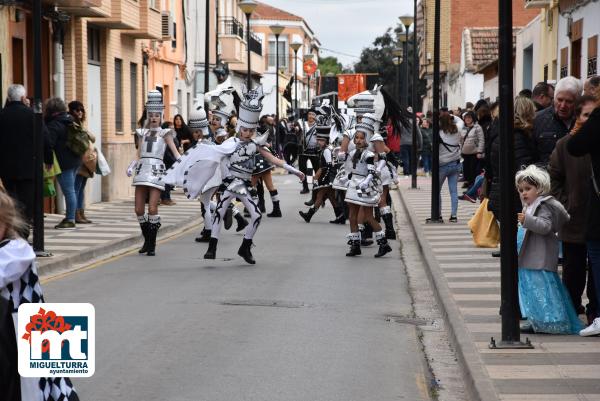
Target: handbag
[
  {"x": 484, "y": 227},
  {"x": 55, "y": 169},
  {"x": 90, "y": 160}
]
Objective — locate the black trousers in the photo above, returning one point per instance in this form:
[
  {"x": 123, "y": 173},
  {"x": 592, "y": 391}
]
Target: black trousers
[
  {"x": 22, "y": 192},
  {"x": 471, "y": 167},
  {"x": 314, "y": 160},
  {"x": 575, "y": 272}
]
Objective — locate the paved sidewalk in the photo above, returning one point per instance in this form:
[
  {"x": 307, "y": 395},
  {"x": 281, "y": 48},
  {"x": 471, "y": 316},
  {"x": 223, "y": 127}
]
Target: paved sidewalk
[
  {"x": 467, "y": 281},
  {"x": 114, "y": 230}
]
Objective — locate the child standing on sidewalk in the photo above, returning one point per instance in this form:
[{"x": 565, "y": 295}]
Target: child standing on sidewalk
[
  {"x": 543, "y": 298},
  {"x": 19, "y": 284}
]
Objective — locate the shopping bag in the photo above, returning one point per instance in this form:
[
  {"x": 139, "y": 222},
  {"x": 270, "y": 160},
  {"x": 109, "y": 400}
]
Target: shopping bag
[
  {"x": 484, "y": 227},
  {"x": 102, "y": 166},
  {"x": 49, "y": 189},
  {"x": 54, "y": 170}
]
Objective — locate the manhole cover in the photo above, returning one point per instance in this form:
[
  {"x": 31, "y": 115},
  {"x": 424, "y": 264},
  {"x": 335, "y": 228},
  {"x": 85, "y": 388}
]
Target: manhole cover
[{"x": 265, "y": 303}]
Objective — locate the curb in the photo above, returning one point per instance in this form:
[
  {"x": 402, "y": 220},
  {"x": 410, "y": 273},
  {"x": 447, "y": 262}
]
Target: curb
[
  {"x": 75, "y": 261},
  {"x": 478, "y": 384}
]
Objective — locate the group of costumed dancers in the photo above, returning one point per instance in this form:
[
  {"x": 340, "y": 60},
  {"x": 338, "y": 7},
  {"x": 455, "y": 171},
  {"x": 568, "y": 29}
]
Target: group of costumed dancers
[{"x": 354, "y": 167}]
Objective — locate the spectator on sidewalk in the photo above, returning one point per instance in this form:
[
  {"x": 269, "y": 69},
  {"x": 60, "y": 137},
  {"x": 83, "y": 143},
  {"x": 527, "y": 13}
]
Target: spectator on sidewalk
[
  {"x": 542, "y": 95},
  {"x": 591, "y": 87},
  {"x": 524, "y": 152},
  {"x": 544, "y": 301},
  {"x": 569, "y": 176},
  {"x": 16, "y": 151},
  {"x": 472, "y": 148},
  {"x": 406, "y": 144},
  {"x": 587, "y": 142},
  {"x": 88, "y": 165},
  {"x": 449, "y": 153},
  {"x": 426, "y": 133},
  {"x": 553, "y": 123},
  {"x": 58, "y": 122},
  {"x": 184, "y": 134}
]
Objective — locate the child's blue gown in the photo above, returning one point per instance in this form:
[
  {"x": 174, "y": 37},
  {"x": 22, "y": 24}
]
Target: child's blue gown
[{"x": 544, "y": 299}]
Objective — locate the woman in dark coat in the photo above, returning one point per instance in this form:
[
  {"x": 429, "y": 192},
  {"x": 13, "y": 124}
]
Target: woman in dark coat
[
  {"x": 184, "y": 134},
  {"x": 587, "y": 141},
  {"x": 524, "y": 152},
  {"x": 57, "y": 123}
]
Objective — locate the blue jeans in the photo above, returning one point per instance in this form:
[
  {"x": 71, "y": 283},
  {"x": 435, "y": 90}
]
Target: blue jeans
[
  {"x": 450, "y": 171},
  {"x": 593, "y": 249},
  {"x": 426, "y": 158},
  {"x": 80, "y": 182},
  {"x": 405, "y": 153},
  {"x": 66, "y": 180},
  {"x": 472, "y": 192}
]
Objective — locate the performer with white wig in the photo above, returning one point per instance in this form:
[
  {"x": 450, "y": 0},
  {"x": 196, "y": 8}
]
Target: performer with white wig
[
  {"x": 149, "y": 168},
  {"x": 198, "y": 167}
]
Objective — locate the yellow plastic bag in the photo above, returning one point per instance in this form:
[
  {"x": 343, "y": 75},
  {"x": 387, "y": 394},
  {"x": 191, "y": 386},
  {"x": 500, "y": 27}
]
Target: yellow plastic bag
[{"x": 484, "y": 227}]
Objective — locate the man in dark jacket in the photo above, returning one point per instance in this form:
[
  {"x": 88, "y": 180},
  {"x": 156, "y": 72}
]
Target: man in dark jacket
[
  {"x": 16, "y": 149},
  {"x": 554, "y": 122},
  {"x": 542, "y": 95}
]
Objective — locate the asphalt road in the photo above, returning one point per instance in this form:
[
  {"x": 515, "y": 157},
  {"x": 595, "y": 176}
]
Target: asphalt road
[{"x": 304, "y": 323}]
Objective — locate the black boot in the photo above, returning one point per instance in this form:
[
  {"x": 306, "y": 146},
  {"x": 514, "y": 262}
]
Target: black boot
[
  {"x": 276, "y": 210},
  {"x": 204, "y": 236},
  {"x": 211, "y": 252},
  {"x": 305, "y": 189},
  {"x": 390, "y": 233},
  {"x": 312, "y": 200},
  {"x": 152, "y": 232},
  {"x": 384, "y": 247},
  {"x": 377, "y": 215},
  {"x": 260, "y": 189},
  {"x": 241, "y": 222},
  {"x": 354, "y": 247},
  {"x": 308, "y": 215},
  {"x": 365, "y": 234},
  {"x": 144, "y": 226},
  {"x": 339, "y": 216},
  {"x": 244, "y": 251},
  {"x": 227, "y": 219}
]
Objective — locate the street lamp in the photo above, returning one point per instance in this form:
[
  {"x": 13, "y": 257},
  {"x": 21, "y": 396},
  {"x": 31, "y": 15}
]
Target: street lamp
[
  {"x": 308, "y": 57},
  {"x": 276, "y": 29},
  {"x": 407, "y": 21},
  {"x": 435, "y": 142},
  {"x": 248, "y": 7},
  {"x": 296, "y": 45},
  {"x": 397, "y": 53}
]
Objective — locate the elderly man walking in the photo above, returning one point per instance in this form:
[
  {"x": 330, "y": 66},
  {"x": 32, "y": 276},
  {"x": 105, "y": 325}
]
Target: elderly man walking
[
  {"x": 556, "y": 121},
  {"x": 16, "y": 149}
]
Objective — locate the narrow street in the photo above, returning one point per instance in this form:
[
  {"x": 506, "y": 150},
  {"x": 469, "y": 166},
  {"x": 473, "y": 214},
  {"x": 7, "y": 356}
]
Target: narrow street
[{"x": 304, "y": 323}]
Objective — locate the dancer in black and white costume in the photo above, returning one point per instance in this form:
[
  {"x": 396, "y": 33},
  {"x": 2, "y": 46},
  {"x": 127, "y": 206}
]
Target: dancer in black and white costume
[
  {"x": 20, "y": 284},
  {"x": 149, "y": 168},
  {"x": 325, "y": 175},
  {"x": 196, "y": 169},
  {"x": 309, "y": 150},
  {"x": 388, "y": 175},
  {"x": 364, "y": 188}
]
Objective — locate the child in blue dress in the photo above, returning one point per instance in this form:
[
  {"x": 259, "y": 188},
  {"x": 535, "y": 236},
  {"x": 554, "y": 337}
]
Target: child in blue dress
[{"x": 544, "y": 299}]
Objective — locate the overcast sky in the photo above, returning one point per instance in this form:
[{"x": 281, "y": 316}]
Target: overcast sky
[{"x": 346, "y": 26}]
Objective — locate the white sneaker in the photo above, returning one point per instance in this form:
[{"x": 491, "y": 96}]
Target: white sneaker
[{"x": 592, "y": 330}]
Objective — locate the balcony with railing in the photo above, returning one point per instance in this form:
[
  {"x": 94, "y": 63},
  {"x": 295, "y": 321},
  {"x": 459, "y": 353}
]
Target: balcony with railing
[
  {"x": 231, "y": 26},
  {"x": 255, "y": 44}
]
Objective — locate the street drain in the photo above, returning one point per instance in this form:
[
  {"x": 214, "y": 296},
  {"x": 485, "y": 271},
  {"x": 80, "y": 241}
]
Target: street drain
[
  {"x": 415, "y": 321},
  {"x": 265, "y": 303}
]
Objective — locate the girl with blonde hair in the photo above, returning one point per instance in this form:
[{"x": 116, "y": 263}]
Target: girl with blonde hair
[{"x": 19, "y": 284}]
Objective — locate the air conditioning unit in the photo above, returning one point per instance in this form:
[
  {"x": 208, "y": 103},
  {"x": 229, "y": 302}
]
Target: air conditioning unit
[{"x": 167, "y": 26}]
